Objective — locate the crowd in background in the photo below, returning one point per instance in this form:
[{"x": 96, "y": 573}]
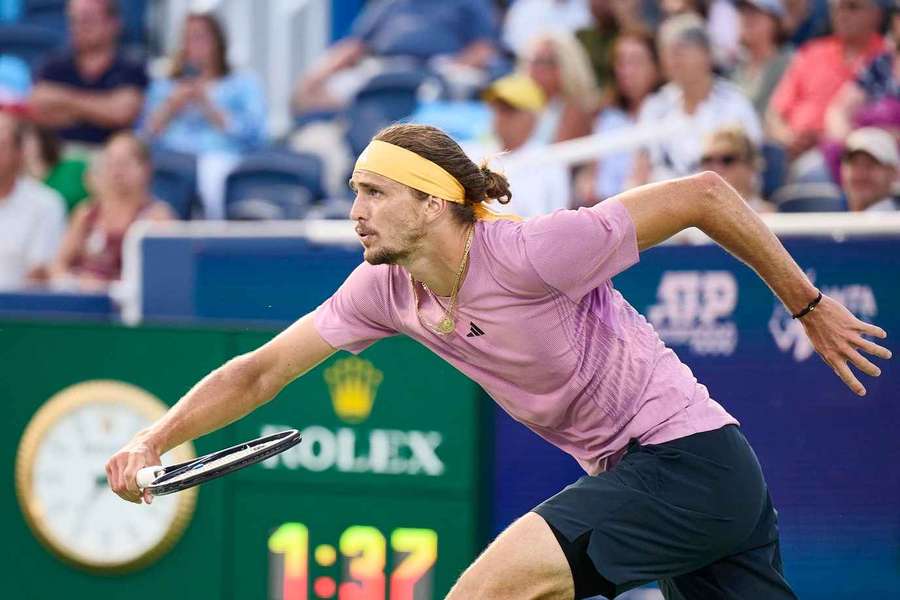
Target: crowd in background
[{"x": 795, "y": 102}]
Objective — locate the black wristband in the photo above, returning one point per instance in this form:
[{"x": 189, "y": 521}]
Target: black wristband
[{"x": 809, "y": 307}]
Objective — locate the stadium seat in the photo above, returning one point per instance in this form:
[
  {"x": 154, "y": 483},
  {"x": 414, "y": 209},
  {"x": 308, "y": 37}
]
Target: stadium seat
[
  {"x": 386, "y": 99},
  {"x": 810, "y": 197},
  {"x": 52, "y": 15},
  {"x": 134, "y": 22},
  {"x": 175, "y": 180},
  {"x": 331, "y": 208},
  {"x": 775, "y": 168},
  {"x": 46, "y": 13},
  {"x": 29, "y": 42},
  {"x": 273, "y": 184},
  {"x": 301, "y": 120}
]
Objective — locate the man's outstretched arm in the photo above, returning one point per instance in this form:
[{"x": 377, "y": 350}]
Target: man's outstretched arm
[
  {"x": 230, "y": 392},
  {"x": 707, "y": 202}
]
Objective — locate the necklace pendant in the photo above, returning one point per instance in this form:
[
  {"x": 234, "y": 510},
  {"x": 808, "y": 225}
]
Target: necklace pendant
[{"x": 446, "y": 325}]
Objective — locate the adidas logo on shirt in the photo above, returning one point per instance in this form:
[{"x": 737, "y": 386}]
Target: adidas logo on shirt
[{"x": 474, "y": 330}]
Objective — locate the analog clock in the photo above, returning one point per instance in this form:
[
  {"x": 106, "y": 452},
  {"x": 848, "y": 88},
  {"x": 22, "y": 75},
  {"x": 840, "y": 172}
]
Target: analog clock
[{"x": 61, "y": 479}]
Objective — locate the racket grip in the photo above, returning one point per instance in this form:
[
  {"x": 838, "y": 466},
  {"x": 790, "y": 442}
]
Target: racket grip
[{"x": 147, "y": 475}]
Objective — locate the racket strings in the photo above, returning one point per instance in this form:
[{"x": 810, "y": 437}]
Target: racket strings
[{"x": 201, "y": 466}]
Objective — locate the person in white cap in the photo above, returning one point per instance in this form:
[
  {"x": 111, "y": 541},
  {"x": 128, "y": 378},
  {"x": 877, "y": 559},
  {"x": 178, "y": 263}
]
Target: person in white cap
[{"x": 869, "y": 170}]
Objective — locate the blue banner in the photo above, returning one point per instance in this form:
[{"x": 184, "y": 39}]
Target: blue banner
[{"x": 829, "y": 456}]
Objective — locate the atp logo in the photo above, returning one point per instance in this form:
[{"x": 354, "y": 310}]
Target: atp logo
[
  {"x": 694, "y": 309},
  {"x": 788, "y": 333}
]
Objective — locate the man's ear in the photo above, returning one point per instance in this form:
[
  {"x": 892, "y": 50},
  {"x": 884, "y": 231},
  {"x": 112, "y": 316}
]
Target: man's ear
[{"x": 434, "y": 208}]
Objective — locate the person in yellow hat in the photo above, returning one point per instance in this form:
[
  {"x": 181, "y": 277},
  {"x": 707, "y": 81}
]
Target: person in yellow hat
[
  {"x": 673, "y": 491},
  {"x": 516, "y": 102}
]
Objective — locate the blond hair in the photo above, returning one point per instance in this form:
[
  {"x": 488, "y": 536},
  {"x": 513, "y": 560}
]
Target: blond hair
[
  {"x": 579, "y": 84},
  {"x": 737, "y": 139}
]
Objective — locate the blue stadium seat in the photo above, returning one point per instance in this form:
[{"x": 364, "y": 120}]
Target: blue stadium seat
[
  {"x": 46, "y": 13},
  {"x": 386, "y": 99},
  {"x": 31, "y": 43},
  {"x": 810, "y": 197},
  {"x": 52, "y": 15},
  {"x": 303, "y": 119},
  {"x": 134, "y": 22},
  {"x": 775, "y": 168},
  {"x": 175, "y": 180},
  {"x": 273, "y": 184}
]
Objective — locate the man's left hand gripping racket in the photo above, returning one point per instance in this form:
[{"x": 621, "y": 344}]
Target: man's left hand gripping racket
[{"x": 161, "y": 480}]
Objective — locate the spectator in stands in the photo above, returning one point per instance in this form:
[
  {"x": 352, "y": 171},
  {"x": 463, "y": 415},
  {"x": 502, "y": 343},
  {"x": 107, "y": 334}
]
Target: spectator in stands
[
  {"x": 93, "y": 90},
  {"x": 731, "y": 154},
  {"x": 637, "y": 75},
  {"x": 873, "y": 96},
  {"x": 91, "y": 252},
  {"x": 560, "y": 66},
  {"x": 32, "y": 216},
  {"x": 597, "y": 39},
  {"x": 526, "y": 19},
  {"x": 764, "y": 58},
  {"x": 796, "y": 114},
  {"x": 869, "y": 170},
  {"x": 455, "y": 37},
  {"x": 203, "y": 106},
  {"x": 44, "y": 161},
  {"x": 516, "y": 101},
  {"x": 695, "y": 101},
  {"x": 722, "y": 25},
  {"x": 89, "y": 92}
]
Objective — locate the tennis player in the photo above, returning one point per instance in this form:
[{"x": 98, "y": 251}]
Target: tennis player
[{"x": 673, "y": 491}]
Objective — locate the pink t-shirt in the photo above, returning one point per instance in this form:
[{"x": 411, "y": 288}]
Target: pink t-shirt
[
  {"x": 816, "y": 74},
  {"x": 561, "y": 350}
]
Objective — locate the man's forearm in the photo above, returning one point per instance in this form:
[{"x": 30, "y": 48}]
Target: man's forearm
[
  {"x": 222, "y": 397},
  {"x": 342, "y": 55},
  {"x": 477, "y": 54},
  {"x": 735, "y": 226},
  {"x": 119, "y": 109}
]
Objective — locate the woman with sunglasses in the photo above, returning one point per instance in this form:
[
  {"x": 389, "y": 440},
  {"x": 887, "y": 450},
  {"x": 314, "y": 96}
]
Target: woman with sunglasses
[{"x": 731, "y": 154}]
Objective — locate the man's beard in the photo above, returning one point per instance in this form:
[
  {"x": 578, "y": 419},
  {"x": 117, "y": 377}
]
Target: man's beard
[
  {"x": 386, "y": 256},
  {"x": 395, "y": 256}
]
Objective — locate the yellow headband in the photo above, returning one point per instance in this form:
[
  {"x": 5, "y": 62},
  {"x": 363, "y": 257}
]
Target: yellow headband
[{"x": 408, "y": 168}]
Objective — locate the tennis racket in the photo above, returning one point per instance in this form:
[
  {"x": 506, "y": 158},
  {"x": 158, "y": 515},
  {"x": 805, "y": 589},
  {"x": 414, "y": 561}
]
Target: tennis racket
[{"x": 174, "y": 478}]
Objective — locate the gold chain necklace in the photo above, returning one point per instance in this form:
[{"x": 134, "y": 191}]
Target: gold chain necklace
[{"x": 447, "y": 324}]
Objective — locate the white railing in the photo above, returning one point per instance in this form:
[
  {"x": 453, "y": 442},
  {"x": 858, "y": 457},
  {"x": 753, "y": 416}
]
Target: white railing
[
  {"x": 127, "y": 293},
  {"x": 592, "y": 147}
]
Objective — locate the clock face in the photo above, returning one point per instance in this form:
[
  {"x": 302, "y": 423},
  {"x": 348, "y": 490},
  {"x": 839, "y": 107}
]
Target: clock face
[{"x": 61, "y": 478}]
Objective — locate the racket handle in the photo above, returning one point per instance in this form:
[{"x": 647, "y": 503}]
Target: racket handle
[{"x": 147, "y": 475}]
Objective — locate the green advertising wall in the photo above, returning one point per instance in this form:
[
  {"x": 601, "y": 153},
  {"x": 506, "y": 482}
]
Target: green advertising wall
[{"x": 382, "y": 499}]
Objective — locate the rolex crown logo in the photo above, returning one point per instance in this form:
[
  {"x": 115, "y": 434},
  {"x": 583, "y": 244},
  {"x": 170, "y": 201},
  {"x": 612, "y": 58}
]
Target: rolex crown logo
[{"x": 352, "y": 383}]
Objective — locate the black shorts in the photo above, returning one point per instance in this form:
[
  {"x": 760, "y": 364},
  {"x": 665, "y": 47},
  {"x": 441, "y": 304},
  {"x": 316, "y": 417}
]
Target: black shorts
[{"x": 693, "y": 514}]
